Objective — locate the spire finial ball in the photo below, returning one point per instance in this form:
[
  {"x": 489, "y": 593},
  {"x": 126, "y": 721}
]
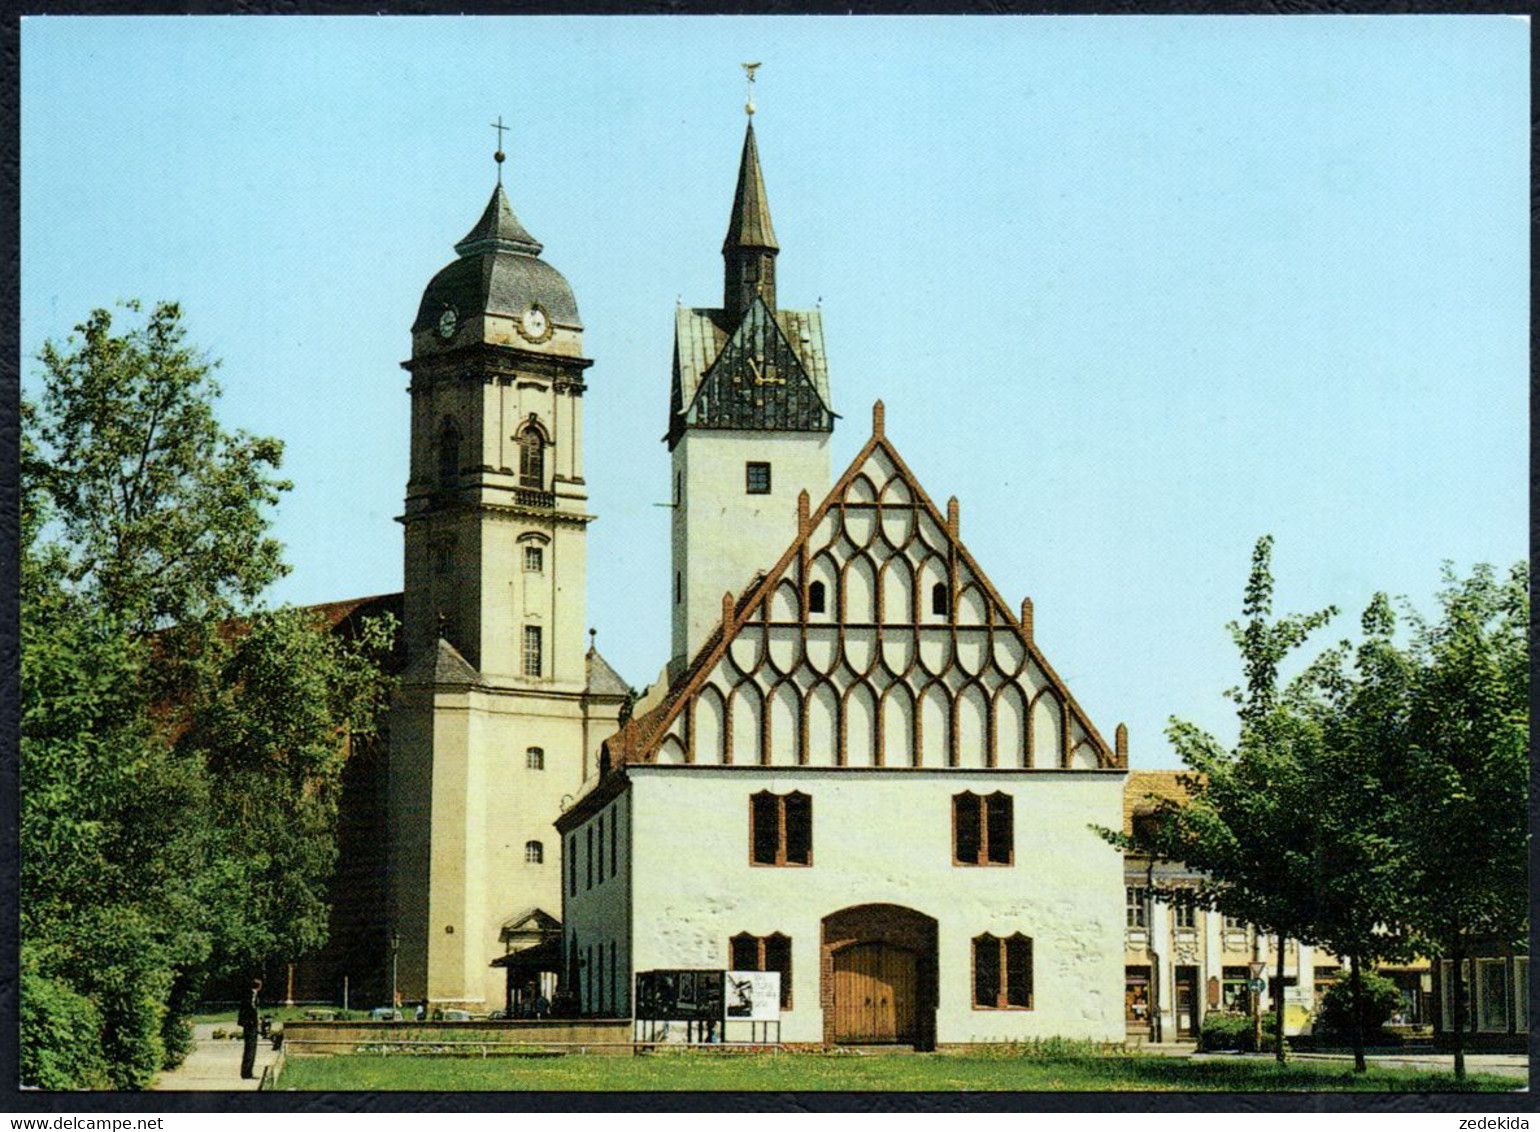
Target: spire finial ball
[
  {"x": 499, "y": 157},
  {"x": 748, "y": 108}
]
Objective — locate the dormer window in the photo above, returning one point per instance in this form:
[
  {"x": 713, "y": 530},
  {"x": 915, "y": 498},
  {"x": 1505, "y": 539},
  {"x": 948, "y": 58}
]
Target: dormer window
[
  {"x": 757, "y": 477},
  {"x": 940, "y": 600}
]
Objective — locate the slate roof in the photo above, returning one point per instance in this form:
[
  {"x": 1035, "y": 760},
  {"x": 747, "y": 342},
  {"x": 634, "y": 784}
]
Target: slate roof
[
  {"x": 749, "y": 226},
  {"x": 604, "y": 680},
  {"x": 444, "y": 665},
  {"x": 498, "y": 272},
  {"x": 701, "y": 333}
]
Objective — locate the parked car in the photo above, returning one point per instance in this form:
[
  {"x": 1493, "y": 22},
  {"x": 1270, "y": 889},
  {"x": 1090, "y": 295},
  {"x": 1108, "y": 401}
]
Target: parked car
[
  {"x": 384, "y": 1014},
  {"x": 457, "y": 1015}
]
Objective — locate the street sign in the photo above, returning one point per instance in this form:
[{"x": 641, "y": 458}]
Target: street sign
[
  {"x": 1257, "y": 986},
  {"x": 1257, "y": 969}
]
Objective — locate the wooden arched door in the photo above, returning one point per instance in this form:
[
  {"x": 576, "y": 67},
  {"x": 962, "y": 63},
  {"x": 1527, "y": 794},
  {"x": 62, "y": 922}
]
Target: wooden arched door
[{"x": 875, "y": 990}]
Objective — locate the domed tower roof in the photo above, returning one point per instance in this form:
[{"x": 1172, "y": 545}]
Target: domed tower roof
[{"x": 499, "y": 271}]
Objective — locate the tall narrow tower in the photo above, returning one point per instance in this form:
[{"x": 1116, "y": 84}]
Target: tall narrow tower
[
  {"x": 502, "y": 706},
  {"x": 749, "y": 420}
]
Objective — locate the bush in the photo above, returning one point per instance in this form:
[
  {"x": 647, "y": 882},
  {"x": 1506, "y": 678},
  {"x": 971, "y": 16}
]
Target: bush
[
  {"x": 1224, "y": 1030},
  {"x": 61, "y": 1037},
  {"x": 176, "y": 1035},
  {"x": 1381, "y": 999}
]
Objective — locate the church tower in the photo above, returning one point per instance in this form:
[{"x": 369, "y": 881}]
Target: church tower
[
  {"x": 502, "y": 702},
  {"x": 750, "y": 419}
]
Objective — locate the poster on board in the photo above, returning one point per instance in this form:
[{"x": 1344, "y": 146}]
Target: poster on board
[{"x": 753, "y": 996}]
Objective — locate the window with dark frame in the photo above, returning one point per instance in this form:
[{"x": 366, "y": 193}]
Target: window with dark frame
[
  {"x": 532, "y": 650},
  {"x": 940, "y": 600},
  {"x": 678, "y": 587},
  {"x": 815, "y": 598},
  {"x": 534, "y": 560},
  {"x": 983, "y": 829},
  {"x": 1002, "y": 972},
  {"x": 601, "y": 849},
  {"x": 781, "y": 829},
  {"x": 572, "y": 848},
  {"x": 1136, "y": 907},
  {"x": 534, "y": 853},
  {"x": 534, "y": 758},
  {"x": 614, "y": 839},
  {"x": 757, "y": 477},
  {"x": 448, "y": 452},
  {"x": 588, "y": 860},
  {"x": 763, "y": 953},
  {"x": 531, "y": 459},
  {"x": 1184, "y": 915}
]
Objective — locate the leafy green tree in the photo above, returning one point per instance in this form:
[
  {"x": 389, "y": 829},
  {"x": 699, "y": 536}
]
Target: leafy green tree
[
  {"x": 1240, "y": 827},
  {"x": 161, "y": 514},
  {"x": 179, "y": 769},
  {"x": 1463, "y": 802},
  {"x": 1369, "y": 1006}
]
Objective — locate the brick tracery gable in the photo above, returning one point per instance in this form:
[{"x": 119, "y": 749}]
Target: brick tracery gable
[{"x": 879, "y": 677}]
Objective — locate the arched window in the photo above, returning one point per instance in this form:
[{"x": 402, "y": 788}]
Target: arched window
[
  {"x": 534, "y": 759},
  {"x": 448, "y": 452},
  {"x": 534, "y": 853},
  {"x": 815, "y": 598},
  {"x": 940, "y": 600},
  {"x": 532, "y": 457}
]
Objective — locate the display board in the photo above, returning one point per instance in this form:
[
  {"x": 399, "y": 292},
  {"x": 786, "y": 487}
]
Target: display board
[
  {"x": 753, "y": 996},
  {"x": 679, "y": 996}
]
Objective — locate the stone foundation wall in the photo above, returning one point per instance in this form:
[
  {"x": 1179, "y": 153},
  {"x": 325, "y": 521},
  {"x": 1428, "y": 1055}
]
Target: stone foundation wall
[{"x": 588, "y": 1035}]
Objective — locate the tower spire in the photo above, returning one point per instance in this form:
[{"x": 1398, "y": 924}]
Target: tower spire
[{"x": 750, "y": 247}]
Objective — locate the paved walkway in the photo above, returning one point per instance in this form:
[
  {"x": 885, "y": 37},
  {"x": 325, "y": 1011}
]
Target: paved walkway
[
  {"x": 214, "y": 1066},
  {"x": 1501, "y": 1064}
]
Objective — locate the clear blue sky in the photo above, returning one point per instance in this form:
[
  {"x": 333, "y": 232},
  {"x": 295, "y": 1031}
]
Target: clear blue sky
[{"x": 1136, "y": 290}]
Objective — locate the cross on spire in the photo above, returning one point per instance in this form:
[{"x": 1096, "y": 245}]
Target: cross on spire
[
  {"x": 499, "y": 156},
  {"x": 748, "y": 70}
]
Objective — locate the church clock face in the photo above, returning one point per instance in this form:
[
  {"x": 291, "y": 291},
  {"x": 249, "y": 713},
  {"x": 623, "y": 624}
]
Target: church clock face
[
  {"x": 534, "y": 325},
  {"x": 446, "y": 323}
]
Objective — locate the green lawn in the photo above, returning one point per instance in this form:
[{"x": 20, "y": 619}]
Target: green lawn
[{"x": 856, "y": 1073}]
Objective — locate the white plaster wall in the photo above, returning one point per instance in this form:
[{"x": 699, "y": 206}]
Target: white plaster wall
[
  {"x": 722, "y": 535},
  {"x": 885, "y": 836}
]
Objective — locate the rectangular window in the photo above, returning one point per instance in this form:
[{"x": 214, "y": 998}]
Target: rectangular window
[
  {"x": 588, "y": 859},
  {"x": 1234, "y": 923},
  {"x": 572, "y": 848},
  {"x": 763, "y": 953},
  {"x": 756, "y": 475},
  {"x": 601, "y": 849},
  {"x": 615, "y": 993},
  {"x": 1492, "y": 994},
  {"x": 1136, "y": 911},
  {"x": 1002, "y": 973},
  {"x": 532, "y": 650},
  {"x": 1236, "y": 990},
  {"x": 534, "y": 559},
  {"x": 1184, "y": 915},
  {"x": 983, "y": 829},
  {"x": 614, "y": 840},
  {"x": 781, "y": 829}
]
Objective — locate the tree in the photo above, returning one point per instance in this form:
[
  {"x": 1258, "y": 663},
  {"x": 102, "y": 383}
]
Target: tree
[
  {"x": 1463, "y": 803},
  {"x": 161, "y": 514},
  {"x": 1354, "y": 766},
  {"x": 178, "y": 768},
  {"x": 1239, "y": 828}
]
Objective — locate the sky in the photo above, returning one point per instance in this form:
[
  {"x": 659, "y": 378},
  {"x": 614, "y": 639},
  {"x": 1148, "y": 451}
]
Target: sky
[{"x": 1137, "y": 290}]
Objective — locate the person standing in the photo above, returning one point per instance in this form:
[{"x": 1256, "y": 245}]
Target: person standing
[{"x": 250, "y": 1020}]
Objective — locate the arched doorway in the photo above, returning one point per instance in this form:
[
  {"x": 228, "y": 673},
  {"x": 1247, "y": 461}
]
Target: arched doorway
[{"x": 879, "y": 976}]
